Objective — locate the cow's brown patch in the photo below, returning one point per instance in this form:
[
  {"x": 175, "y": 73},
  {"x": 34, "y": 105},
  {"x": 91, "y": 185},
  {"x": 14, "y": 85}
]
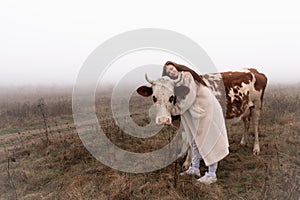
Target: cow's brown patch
[
  {"x": 232, "y": 79},
  {"x": 260, "y": 83},
  {"x": 261, "y": 80}
]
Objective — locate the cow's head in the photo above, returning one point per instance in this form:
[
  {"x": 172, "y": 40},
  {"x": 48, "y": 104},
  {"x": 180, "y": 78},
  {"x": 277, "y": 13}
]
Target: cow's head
[{"x": 163, "y": 92}]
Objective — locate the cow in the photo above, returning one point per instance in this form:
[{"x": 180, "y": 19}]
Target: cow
[{"x": 240, "y": 94}]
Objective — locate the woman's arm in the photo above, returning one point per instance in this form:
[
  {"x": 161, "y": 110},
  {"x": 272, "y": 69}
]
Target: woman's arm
[{"x": 186, "y": 102}]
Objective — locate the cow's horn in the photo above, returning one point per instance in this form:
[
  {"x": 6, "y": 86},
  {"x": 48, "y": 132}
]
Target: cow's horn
[
  {"x": 148, "y": 79},
  {"x": 178, "y": 78}
]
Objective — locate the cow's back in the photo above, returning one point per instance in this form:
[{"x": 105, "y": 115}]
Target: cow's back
[{"x": 237, "y": 91}]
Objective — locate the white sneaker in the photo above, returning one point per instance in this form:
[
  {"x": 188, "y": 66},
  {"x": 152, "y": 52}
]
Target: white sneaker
[
  {"x": 191, "y": 171},
  {"x": 207, "y": 179}
]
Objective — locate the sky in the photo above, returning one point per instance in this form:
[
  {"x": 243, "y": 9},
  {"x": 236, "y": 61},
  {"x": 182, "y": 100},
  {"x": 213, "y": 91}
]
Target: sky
[{"x": 47, "y": 42}]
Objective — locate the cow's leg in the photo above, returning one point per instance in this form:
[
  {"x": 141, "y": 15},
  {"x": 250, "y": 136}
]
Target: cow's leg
[
  {"x": 246, "y": 121},
  {"x": 255, "y": 118},
  {"x": 188, "y": 159},
  {"x": 186, "y": 138}
]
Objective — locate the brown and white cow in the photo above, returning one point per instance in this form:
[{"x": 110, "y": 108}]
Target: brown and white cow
[
  {"x": 240, "y": 93},
  {"x": 241, "y": 96}
]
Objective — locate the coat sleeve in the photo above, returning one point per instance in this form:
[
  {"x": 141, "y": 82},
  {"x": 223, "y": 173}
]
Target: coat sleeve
[{"x": 185, "y": 103}]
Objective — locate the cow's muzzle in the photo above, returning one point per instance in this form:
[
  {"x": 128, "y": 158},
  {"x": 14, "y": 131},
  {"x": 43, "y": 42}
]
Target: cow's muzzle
[{"x": 163, "y": 120}]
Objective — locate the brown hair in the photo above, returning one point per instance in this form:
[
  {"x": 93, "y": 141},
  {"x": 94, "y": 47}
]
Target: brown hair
[{"x": 179, "y": 68}]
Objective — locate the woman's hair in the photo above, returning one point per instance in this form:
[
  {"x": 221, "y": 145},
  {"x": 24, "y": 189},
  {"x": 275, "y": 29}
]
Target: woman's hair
[{"x": 180, "y": 68}]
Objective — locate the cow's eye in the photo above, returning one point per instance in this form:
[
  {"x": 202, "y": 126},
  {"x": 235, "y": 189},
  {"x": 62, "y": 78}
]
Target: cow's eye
[
  {"x": 154, "y": 99},
  {"x": 171, "y": 99}
]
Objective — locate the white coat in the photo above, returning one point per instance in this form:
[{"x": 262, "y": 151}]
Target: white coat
[{"x": 202, "y": 117}]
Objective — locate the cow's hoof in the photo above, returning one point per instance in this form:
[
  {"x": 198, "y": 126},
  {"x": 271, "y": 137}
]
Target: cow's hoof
[
  {"x": 256, "y": 149},
  {"x": 256, "y": 152},
  {"x": 186, "y": 165},
  {"x": 243, "y": 141}
]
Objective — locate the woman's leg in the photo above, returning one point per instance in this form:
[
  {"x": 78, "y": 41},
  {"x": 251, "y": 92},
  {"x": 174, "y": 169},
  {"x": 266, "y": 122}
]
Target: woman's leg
[
  {"x": 212, "y": 169},
  {"x": 195, "y": 156},
  {"x": 210, "y": 176}
]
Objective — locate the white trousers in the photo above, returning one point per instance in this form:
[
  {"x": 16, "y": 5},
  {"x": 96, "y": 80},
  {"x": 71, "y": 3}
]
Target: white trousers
[{"x": 196, "y": 157}]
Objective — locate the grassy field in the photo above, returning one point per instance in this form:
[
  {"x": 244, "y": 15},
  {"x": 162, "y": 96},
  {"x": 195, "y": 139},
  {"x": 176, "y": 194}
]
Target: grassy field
[{"x": 42, "y": 157}]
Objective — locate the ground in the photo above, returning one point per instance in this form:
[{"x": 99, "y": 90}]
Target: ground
[{"x": 56, "y": 165}]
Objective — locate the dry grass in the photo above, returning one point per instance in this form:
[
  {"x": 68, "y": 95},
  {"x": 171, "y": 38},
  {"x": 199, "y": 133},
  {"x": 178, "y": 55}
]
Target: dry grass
[{"x": 64, "y": 169}]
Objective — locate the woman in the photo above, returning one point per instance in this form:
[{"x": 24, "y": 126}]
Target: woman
[{"x": 201, "y": 117}]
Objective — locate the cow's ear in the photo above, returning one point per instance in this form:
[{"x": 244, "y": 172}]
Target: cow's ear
[
  {"x": 145, "y": 91},
  {"x": 181, "y": 91}
]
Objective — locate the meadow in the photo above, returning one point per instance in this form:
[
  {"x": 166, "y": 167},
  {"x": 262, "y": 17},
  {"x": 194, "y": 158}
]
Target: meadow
[{"x": 42, "y": 156}]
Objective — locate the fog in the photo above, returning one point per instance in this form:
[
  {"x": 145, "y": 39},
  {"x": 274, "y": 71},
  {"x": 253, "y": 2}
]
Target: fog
[{"x": 46, "y": 43}]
